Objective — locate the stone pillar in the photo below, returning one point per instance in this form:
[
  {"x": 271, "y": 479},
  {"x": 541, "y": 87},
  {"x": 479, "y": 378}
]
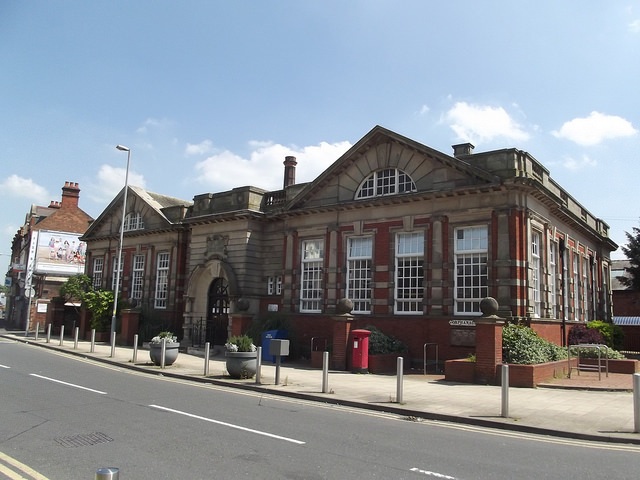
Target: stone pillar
[
  {"x": 488, "y": 343},
  {"x": 341, "y": 331}
]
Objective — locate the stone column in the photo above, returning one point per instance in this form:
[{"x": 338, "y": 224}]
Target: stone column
[{"x": 488, "y": 342}]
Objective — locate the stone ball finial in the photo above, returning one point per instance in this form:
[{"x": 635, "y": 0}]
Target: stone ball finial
[
  {"x": 344, "y": 305},
  {"x": 242, "y": 304},
  {"x": 489, "y": 306}
]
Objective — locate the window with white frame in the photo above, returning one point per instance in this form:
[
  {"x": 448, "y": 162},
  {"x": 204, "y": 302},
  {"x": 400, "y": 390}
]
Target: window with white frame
[
  {"x": 311, "y": 276},
  {"x": 359, "y": 259},
  {"x": 133, "y": 221},
  {"x": 162, "y": 280},
  {"x": 471, "y": 255},
  {"x": 116, "y": 273},
  {"x": 585, "y": 288},
  {"x": 553, "y": 278},
  {"x": 409, "y": 275},
  {"x": 389, "y": 181},
  {"x": 98, "y": 268},
  {"x": 137, "y": 278},
  {"x": 565, "y": 288},
  {"x": 536, "y": 274},
  {"x": 576, "y": 289},
  {"x": 274, "y": 285}
]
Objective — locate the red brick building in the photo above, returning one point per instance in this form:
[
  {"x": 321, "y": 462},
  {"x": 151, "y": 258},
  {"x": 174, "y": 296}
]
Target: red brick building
[
  {"x": 45, "y": 252},
  {"x": 414, "y": 237}
]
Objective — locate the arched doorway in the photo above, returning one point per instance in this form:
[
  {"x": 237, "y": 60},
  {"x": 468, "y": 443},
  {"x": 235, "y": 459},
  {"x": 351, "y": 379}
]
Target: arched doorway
[{"x": 217, "y": 311}]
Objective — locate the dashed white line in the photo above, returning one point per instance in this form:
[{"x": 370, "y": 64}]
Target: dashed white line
[
  {"x": 68, "y": 384},
  {"x": 433, "y": 474},
  {"x": 230, "y": 425}
]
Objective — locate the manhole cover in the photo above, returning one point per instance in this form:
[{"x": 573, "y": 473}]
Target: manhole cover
[{"x": 84, "y": 440}]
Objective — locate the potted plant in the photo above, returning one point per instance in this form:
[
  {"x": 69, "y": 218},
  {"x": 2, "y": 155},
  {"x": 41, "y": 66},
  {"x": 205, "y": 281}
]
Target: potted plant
[
  {"x": 171, "y": 348},
  {"x": 241, "y": 354}
]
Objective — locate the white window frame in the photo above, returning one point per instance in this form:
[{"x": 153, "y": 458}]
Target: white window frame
[
  {"x": 471, "y": 253},
  {"x": 388, "y": 181},
  {"x": 553, "y": 275},
  {"x": 162, "y": 280},
  {"x": 311, "y": 275},
  {"x": 409, "y": 274},
  {"x": 133, "y": 221},
  {"x": 137, "y": 277},
  {"x": 359, "y": 273},
  {"x": 576, "y": 286},
  {"x": 585, "y": 289},
  {"x": 536, "y": 272},
  {"x": 97, "y": 272},
  {"x": 115, "y": 272}
]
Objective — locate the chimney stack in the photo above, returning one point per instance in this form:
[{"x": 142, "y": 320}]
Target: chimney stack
[
  {"x": 289, "y": 171},
  {"x": 462, "y": 149},
  {"x": 54, "y": 204},
  {"x": 70, "y": 195}
]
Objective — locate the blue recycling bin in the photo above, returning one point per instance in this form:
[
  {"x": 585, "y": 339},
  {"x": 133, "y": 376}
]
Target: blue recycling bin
[{"x": 266, "y": 340}]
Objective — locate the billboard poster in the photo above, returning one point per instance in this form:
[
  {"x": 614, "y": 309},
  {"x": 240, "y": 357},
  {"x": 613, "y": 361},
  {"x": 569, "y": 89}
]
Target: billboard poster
[{"x": 60, "y": 253}]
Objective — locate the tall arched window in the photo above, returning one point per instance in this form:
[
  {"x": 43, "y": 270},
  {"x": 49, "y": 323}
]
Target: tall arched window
[{"x": 389, "y": 181}]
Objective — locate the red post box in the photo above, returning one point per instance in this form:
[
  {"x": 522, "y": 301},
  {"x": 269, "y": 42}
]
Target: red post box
[{"x": 359, "y": 342}]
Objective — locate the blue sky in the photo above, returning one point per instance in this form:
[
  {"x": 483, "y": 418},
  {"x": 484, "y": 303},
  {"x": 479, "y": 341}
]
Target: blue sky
[{"x": 211, "y": 95}]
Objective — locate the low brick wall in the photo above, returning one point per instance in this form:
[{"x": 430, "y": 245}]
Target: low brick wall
[
  {"x": 527, "y": 376},
  {"x": 387, "y": 363}
]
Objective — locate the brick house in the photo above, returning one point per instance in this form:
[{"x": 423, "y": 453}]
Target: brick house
[
  {"x": 153, "y": 254},
  {"x": 414, "y": 237},
  {"x": 46, "y": 251}
]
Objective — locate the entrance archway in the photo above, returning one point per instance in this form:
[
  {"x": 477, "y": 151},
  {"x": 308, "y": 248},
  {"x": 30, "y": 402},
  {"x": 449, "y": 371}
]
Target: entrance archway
[{"x": 217, "y": 311}]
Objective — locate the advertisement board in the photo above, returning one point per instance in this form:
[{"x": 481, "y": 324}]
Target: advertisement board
[{"x": 60, "y": 253}]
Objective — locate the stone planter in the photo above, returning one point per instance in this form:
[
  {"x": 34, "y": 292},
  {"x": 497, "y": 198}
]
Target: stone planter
[
  {"x": 387, "y": 362},
  {"x": 170, "y": 353},
  {"x": 241, "y": 364}
]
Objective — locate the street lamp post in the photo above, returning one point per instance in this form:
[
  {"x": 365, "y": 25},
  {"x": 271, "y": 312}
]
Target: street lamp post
[{"x": 119, "y": 264}]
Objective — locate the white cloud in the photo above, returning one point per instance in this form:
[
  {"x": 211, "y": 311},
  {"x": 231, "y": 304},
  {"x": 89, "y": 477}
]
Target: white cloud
[
  {"x": 595, "y": 128},
  {"x": 153, "y": 124},
  {"x": 424, "y": 110},
  {"x": 264, "y": 167},
  {"x": 634, "y": 26},
  {"x": 483, "y": 123},
  {"x": 201, "y": 148},
  {"x": 571, "y": 163},
  {"x": 16, "y": 186},
  {"x": 110, "y": 180}
]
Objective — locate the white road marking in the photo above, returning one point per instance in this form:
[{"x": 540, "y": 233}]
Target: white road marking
[
  {"x": 68, "y": 384},
  {"x": 4, "y": 366},
  {"x": 433, "y": 474},
  {"x": 230, "y": 425}
]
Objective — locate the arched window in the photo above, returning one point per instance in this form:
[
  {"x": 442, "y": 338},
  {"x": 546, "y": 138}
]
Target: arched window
[
  {"x": 389, "y": 181},
  {"x": 133, "y": 221}
]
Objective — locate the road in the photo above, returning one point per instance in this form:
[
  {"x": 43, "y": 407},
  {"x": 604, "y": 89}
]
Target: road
[{"x": 65, "y": 417}]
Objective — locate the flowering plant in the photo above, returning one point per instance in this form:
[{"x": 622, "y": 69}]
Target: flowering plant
[
  {"x": 240, "y": 343},
  {"x": 162, "y": 335}
]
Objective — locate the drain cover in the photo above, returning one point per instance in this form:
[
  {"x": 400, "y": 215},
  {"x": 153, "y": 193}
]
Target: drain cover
[{"x": 84, "y": 440}]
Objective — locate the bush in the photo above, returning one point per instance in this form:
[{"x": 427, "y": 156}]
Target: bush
[
  {"x": 612, "y": 334},
  {"x": 609, "y": 353},
  {"x": 581, "y": 334},
  {"x": 380, "y": 343},
  {"x": 521, "y": 345}
]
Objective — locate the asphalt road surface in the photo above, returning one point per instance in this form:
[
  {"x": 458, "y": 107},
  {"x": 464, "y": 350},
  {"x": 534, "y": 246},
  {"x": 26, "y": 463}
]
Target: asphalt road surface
[{"x": 62, "y": 417}]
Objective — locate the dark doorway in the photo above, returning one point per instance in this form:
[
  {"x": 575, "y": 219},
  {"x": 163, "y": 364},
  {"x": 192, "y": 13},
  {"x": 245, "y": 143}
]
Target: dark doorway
[{"x": 217, "y": 312}]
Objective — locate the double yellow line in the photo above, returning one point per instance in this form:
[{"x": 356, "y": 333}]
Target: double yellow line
[{"x": 14, "y": 470}]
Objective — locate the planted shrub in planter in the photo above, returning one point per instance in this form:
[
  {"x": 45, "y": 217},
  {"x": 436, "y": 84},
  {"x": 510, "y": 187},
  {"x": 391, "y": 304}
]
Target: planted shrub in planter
[
  {"x": 522, "y": 345},
  {"x": 171, "y": 348},
  {"x": 242, "y": 356},
  {"x": 384, "y": 351}
]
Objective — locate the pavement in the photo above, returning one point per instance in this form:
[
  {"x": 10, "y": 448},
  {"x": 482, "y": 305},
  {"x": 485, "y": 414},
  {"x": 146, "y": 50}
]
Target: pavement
[{"x": 581, "y": 407}]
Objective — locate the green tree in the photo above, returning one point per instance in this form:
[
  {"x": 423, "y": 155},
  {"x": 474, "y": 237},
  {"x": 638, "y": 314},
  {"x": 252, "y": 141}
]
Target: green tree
[
  {"x": 78, "y": 289},
  {"x": 632, "y": 252}
]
